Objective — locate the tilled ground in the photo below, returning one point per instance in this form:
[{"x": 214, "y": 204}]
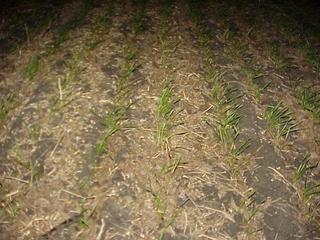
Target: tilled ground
[{"x": 160, "y": 120}]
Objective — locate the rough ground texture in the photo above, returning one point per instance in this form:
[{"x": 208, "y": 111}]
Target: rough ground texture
[{"x": 160, "y": 120}]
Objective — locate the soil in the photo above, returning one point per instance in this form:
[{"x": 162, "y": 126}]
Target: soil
[{"x": 55, "y": 185}]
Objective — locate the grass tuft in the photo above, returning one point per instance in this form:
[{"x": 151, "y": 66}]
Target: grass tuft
[
  {"x": 280, "y": 121},
  {"x": 75, "y": 20},
  {"x": 112, "y": 123},
  {"x": 250, "y": 207},
  {"x": 137, "y": 21},
  {"x": 113, "y": 120},
  {"x": 309, "y": 192},
  {"x": 310, "y": 101},
  {"x": 65, "y": 83},
  {"x": 274, "y": 55},
  {"x": 106, "y": 17},
  {"x": 33, "y": 167},
  {"x": 165, "y": 114},
  {"x": 6, "y": 104},
  {"x": 101, "y": 26},
  {"x": 227, "y": 117},
  {"x": 33, "y": 67}
]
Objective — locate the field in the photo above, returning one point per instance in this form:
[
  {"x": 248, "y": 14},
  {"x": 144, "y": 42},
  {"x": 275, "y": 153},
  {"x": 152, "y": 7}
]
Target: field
[{"x": 160, "y": 119}]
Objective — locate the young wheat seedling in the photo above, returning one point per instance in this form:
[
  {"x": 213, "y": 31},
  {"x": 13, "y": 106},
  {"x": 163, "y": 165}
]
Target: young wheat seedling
[
  {"x": 6, "y": 104},
  {"x": 303, "y": 173},
  {"x": 250, "y": 207},
  {"x": 310, "y": 101},
  {"x": 65, "y": 84},
  {"x": 32, "y": 68},
  {"x": 75, "y": 20},
  {"x": 165, "y": 115},
  {"x": 112, "y": 123},
  {"x": 280, "y": 121},
  {"x": 279, "y": 62}
]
